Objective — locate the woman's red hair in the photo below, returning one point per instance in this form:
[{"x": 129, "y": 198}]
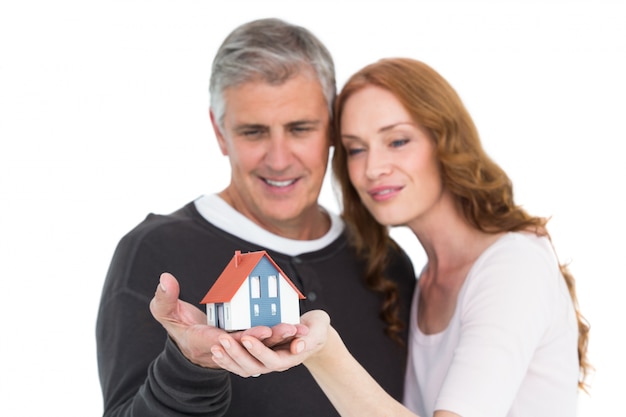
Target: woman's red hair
[{"x": 482, "y": 190}]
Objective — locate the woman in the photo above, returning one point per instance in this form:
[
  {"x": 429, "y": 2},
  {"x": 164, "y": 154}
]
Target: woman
[{"x": 495, "y": 328}]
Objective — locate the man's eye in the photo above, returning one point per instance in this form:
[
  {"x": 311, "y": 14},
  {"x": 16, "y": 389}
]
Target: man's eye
[{"x": 301, "y": 129}]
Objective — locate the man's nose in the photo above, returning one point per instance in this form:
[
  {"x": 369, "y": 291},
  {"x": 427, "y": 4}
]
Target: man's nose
[{"x": 278, "y": 155}]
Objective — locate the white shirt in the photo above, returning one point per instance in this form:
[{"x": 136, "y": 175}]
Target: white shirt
[
  {"x": 213, "y": 208},
  {"x": 510, "y": 348}
]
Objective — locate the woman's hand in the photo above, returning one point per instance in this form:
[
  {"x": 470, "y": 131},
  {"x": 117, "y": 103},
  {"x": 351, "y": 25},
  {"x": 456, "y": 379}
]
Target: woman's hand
[
  {"x": 252, "y": 357},
  {"x": 187, "y": 326}
]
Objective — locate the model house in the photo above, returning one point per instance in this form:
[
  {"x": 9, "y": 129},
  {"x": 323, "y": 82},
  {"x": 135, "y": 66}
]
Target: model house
[{"x": 252, "y": 291}]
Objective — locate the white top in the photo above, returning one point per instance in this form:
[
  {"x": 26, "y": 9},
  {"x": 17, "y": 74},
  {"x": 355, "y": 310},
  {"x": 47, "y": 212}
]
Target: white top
[
  {"x": 218, "y": 212},
  {"x": 511, "y": 347}
]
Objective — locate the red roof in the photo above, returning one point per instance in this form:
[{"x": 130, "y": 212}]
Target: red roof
[{"x": 234, "y": 275}]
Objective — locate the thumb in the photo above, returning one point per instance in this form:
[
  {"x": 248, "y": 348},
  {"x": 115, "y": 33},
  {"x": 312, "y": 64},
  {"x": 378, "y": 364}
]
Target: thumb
[
  {"x": 317, "y": 323},
  {"x": 165, "y": 301}
]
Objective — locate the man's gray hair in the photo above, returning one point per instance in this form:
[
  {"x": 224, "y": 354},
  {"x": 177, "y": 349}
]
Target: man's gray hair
[{"x": 269, "y": 50}]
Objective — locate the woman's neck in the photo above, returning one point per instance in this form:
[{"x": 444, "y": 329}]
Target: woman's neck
[{"x": 451, "y": 243}]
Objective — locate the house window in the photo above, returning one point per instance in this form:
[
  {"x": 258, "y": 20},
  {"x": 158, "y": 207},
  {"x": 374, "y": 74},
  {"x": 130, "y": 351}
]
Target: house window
[
  {"x": 273, "y": 309},
  {"x": 256, "y": 310},
  {"x": 272, "y": 286},
  {"x": 255, "y": 287}
]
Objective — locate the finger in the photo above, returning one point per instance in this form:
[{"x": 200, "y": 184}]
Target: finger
[
  {"x": 221, "y": 358},
  {"x": 315, "y": 318},
  {"x": 165, "y": 300},
  {"x": 280, "y": 334},
  {"x": 270, "y": 359},
  {"x": 301, "y": 330},
  {"x": 311, "y": 337},
  {"x": 258, "y": 332},
  {"x": 317, "y": 323},
  {"x": 231, "y": 356}
]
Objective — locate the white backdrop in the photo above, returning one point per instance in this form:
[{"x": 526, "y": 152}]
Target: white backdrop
[{"x": 103, "y": 118}]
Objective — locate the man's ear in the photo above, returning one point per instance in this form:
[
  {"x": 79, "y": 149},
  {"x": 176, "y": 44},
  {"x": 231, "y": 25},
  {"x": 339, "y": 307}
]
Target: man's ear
[
  {"x": 218, "y": 134},
  {"x": 330, "y": 135}
]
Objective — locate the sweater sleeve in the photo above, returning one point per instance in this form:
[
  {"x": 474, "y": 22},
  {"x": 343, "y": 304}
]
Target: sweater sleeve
[
  {"x": 175, "y": 387},
  {"x": 143, "y": 373}
]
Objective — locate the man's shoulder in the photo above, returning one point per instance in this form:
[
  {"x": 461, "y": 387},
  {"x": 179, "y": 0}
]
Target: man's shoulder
[
  {"x": 183, "y": 219},
  {"x": 182, "y": 243}
]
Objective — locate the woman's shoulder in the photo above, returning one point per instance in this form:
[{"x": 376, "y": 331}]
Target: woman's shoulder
[
  {"x": 517, "y": 257},
  {"x": 520, "y": 247}
]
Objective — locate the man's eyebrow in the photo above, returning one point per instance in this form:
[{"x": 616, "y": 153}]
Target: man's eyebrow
[
  {"x": 304, "y": 122},
  {"x": 249, "y": 126},
  {"x": 258, "y": 126}
]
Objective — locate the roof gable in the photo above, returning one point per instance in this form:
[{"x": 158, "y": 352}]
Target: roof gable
[{"x": 236, "y": 272}]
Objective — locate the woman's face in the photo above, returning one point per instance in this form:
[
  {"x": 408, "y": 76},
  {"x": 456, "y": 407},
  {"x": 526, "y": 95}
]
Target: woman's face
[{"x": 391, "y": 159}]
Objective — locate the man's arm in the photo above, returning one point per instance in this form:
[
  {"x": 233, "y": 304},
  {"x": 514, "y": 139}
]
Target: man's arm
[{"x": 143, "y": 371}]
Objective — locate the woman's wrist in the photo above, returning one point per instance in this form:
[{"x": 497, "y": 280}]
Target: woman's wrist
[{"x": 326, "y": 352}]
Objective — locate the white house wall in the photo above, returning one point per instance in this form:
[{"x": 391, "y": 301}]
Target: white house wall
[
  {"x": 289, "y": 303},
  {"x": 211, "y": 314},
  {"x": 240, "y": 308}
]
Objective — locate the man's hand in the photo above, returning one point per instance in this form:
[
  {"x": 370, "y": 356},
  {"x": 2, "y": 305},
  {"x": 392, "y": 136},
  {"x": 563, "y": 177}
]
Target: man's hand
[
  {"x": 250, "y": 356},
  {"x": 188, "y": 328}
]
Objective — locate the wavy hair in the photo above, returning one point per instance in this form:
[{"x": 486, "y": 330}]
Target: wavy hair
[{"x": 479, "y": 186}]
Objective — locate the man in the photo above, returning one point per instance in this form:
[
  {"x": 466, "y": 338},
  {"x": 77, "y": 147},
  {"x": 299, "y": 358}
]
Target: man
[{"x": 272, "y": 88}]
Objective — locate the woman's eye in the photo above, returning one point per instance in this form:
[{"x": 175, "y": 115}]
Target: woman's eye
[
  {"x": 398, "y": 143},
  {"x": 354, "y": 151}
]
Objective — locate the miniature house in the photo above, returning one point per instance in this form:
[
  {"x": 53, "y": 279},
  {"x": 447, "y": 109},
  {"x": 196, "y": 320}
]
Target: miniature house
[{"x": 252, "y": 291}]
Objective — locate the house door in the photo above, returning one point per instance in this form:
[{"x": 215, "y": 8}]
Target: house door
[{"x": 220, "y": 316}]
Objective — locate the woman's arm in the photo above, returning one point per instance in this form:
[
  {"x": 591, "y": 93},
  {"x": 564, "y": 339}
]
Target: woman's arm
[{"x": 345, "y": 382}]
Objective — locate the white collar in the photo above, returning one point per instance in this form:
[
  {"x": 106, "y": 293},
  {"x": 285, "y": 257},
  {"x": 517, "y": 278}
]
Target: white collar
[{"x": 216, "y": 211}]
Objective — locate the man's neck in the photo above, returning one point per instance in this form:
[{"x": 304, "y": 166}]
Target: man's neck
[{"x": 308, "y": 226}]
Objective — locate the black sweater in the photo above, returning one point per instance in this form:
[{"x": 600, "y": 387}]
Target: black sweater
[{"x": 142, "y": 372}]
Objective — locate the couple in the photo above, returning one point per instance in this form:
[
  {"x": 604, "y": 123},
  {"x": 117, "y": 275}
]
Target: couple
[{"x": 494, "y": 327}]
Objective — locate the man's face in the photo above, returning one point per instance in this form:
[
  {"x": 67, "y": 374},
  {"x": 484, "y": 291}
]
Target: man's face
[{"x": 276, "y": 137}]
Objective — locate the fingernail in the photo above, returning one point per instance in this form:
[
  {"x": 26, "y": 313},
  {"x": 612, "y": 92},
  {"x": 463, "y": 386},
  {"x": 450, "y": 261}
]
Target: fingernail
[
  {"x": 246, "y": 344},
  {"x": 161, "y": 286},
  {"x": 300, "y": 346},
  {"x": 217, "y": 353},
  {"x": 225, "y": 343}
]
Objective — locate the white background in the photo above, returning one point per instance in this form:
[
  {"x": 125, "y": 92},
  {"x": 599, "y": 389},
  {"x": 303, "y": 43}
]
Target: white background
[{"x": 103, "y": 118}]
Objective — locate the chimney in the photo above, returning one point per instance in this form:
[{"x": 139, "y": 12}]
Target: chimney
[{"x": 237, "y": 258}]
